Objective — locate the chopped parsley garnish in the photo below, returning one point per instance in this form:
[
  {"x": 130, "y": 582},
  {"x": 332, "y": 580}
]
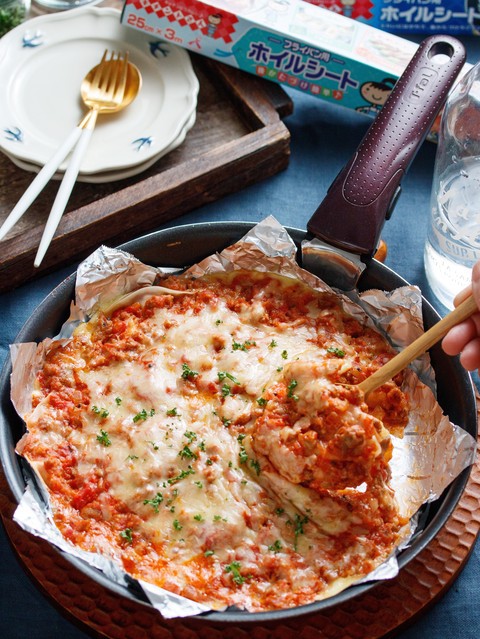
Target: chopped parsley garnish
[
  {"x": 242, "y": 455},
  {"x": 169, "y": 503},
  {"x": 226, "y": 422},
  {"x": 187, "y": 453},
  {"x": 198, "y": 518},
  {"x": 237, "y": 346},
  {"x": 261, "y": 401},
  {"x": 284, "y": 354},
  {"x": 118, "y": 401},
  {"x": 276, "y": 546},
  {"x": 198, "y": 483},
  {"x": 182, "y": 475},
  {"x": 234, "y": 570},
  {"x": 222, "y": 375},
  {"x": 226, "y": 390},
  {"x": 254, "y": 464},
  {"x": 127, "y": 535},
  {"x": 190, "y": 435},
  {"x": 177, "y": 525},
  {"x": 173, "y": 412},
  {"x": 103, "y": 438},
  {"x": 208, "y": 553},
  {"x": 101, "y": 412},
  {"x": 338, "y": 352},
  {"x": 279, "y": 511},
  {"x": 187, "y": 372},
  {"x": 273, "y": 343},
  {"x": 290, "y": 388},
  {"x": 143, "y": 414},
  {"x": 219, "y": 518},
  {"x": 299, "y": 524},
  {"x": 155, "y": 502}
]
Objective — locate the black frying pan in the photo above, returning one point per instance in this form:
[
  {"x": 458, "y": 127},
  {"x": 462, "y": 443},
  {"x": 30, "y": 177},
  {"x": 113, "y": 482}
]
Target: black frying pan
[
  {"x": 186, "y": 244},
  {"x": 183, "y": 245}
]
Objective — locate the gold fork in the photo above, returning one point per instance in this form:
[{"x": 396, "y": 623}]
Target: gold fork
[
  {"x": 107, "y": 88},
  {"x": 103, "y": 89}
]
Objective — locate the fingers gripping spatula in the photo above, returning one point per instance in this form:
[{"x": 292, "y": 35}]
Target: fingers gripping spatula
[{"x": 346, "y": 226}]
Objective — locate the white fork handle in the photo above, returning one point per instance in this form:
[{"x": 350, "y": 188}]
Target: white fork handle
[
  {"x": 40, "y": 181},
  {"x": 63, "y": 194}
]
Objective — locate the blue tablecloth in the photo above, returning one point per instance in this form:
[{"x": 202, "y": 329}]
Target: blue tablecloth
[{"x": 323, "y": 138}]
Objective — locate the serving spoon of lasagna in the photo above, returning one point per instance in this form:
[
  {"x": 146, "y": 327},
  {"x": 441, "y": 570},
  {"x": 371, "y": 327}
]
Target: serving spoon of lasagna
[{"x": 418, "y": 346}]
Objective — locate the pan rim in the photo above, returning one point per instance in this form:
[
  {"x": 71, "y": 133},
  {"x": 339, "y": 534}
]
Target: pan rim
[{"x": 15, "y": 474}]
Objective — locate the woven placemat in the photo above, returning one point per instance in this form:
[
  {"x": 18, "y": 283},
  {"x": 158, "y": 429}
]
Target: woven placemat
[{"x": 377, "y": 613}]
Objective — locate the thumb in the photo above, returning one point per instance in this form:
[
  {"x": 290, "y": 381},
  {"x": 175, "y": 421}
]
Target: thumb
[
  {"x": 472, "y": 289},
  {"x": 462, "y": 295},
  {"x": 476, "y": 283}
]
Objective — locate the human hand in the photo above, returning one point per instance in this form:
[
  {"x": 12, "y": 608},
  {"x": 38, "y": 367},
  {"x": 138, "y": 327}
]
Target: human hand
[{"x": 464, "y": 339}]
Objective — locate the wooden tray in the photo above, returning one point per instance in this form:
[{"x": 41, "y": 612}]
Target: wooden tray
[
  {"x": 238, "y": 139},
  {"x": 380, "y": 612}
]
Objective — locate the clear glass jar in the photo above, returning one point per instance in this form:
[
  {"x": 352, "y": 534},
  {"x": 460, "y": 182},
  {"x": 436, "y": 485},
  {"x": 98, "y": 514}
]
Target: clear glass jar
[
  {"x": 453, "y": 238},
  {"x": 12, "y": 13}
]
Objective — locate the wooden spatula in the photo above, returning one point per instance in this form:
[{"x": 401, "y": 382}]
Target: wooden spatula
[{"x": 419, "y": 346}]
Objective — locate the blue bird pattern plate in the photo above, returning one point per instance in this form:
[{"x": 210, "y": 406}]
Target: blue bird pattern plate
[{"x": 43, "y": 62}]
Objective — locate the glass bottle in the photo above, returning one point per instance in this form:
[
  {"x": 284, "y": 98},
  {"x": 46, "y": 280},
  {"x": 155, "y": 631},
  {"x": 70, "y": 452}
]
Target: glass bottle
[{"x": 453, "y": 237}]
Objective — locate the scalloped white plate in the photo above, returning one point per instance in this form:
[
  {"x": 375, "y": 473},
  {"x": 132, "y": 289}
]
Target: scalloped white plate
[
  {"x": 42, "y": 64},
  {"x": 110, "y": 176}
]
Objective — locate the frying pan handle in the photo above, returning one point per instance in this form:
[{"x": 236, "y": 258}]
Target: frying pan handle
[{"x": 364, "y": 193}]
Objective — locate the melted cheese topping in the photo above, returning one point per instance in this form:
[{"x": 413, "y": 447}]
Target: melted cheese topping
[{"x": 202, "y": 440}]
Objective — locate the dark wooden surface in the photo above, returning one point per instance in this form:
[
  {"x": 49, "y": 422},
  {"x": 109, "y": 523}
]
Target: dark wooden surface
[{"x": 238, "y": 139}]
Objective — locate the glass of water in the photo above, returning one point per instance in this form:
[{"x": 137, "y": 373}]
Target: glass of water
[{"x": 453, "y": 238}]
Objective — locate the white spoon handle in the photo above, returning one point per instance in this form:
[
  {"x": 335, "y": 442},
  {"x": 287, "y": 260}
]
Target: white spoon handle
[
  {"x": 63, "y": 194},
  {"x": 40, "y": 181}
]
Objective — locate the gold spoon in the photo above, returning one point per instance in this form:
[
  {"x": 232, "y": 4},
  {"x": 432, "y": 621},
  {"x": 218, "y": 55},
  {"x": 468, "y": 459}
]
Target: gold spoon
[
  {"x": 109, "y": 87},
  {"x": 419, "y": 346}
]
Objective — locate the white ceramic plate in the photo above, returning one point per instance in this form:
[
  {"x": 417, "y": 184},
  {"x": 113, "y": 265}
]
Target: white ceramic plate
[
  {"x": 42, "y": 64},
  {"x": 111, "y": 176}
]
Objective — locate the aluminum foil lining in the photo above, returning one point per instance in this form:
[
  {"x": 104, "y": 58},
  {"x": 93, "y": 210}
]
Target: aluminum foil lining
[{"x": 425, "y": 461}]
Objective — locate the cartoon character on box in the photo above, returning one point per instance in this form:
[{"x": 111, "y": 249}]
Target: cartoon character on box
[
  {"x": 347, "y": 7},
  {"x": 376, "y": 94},
  {"x": 213, "y": 21}
]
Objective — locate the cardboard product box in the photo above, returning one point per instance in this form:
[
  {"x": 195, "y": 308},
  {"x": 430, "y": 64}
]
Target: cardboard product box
[
  {"x": 294, "y": 43},
  {"x": 455, "y": 17}
]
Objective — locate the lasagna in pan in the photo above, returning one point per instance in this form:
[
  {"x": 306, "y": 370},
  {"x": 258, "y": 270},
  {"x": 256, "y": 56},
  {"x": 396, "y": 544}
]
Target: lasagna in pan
[{"x": 207, "y": 436}]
